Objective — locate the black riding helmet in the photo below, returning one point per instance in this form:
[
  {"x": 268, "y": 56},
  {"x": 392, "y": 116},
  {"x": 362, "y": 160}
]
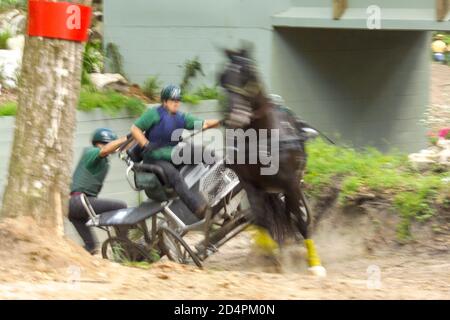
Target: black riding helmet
[{"x": 103, "y": 135}]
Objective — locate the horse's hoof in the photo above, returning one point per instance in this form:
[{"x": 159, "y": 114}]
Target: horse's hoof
[{"x": 318, "y": 271}]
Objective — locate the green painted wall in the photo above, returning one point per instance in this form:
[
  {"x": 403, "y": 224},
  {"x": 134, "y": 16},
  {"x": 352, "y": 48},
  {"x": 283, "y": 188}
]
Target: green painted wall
[{"x": 156, "y": 37}]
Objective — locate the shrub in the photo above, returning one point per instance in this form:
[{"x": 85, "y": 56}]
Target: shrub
[
  {"x": 190, "y": 70},
  {"x": 93, "y": 57},
  {"x": 190, "y": 98},
  {"x": 13, "y": 4},
  {"x": 4, "y": 36},
  {"x": 413, "y": 194},
  {"x": 207, "y": 93},
  {"x": 8, "y": 109},
  {"x": 202, "y": 93},
  {"x": 152, "y": 87},
  {"x": 93, "y": 61},
  {"x": 111, "y": 102}
]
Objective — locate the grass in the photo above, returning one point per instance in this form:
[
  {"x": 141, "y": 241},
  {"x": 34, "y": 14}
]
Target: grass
[
  {"x": 151, "y": 88},
  {"x": 202, "y": 93},
  {"x": 414, "y": 195},
  {"x": 12, "y": 4},
  {"x": 191, "y": 98},
  {"x": 110, "y": 102},
  {"x": 208, "y": 93},
  {"x": 8, "y": 109},
  {"x": 4, "y": 36}
]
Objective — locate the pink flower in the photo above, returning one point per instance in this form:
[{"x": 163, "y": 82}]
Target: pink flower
[{"x": 443, "y": 133}]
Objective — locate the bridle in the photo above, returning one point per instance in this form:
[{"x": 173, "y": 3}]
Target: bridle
[{"x": 249, "y": 91}]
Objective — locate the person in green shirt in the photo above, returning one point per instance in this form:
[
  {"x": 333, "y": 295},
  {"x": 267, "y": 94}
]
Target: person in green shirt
[
  {"x": 88, "y": 179},
  {"x": 153, "y": 132}
]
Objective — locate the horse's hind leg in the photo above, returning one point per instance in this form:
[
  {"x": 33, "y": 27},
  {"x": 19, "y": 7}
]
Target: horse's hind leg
[{"x": 292, "y": 199}]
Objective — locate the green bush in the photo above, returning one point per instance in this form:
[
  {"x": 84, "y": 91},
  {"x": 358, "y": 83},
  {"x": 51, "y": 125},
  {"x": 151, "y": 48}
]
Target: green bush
[
  {"x": 13, "y": 4},
  {"x": 93, "y": 61},
  {"x": 202, "y": 93},
  {"x": 208, "y": 93},
  {"x": 190, "y": 70},
  {"x": 110, "y": 101},
  {"x": 413, "y": 194},
  {"x": 8, "y": 109},
  {"x": 93, "y": 57},
  {"x": 191, "y": 98},
  {"x": 152, "y": 88},
  {"x": 4, "y": 36}
]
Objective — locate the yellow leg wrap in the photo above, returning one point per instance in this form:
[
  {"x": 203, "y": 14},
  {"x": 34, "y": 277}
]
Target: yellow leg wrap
[
  {"x": 264, "y": 241},
  {"x": 313, "y": 257}
]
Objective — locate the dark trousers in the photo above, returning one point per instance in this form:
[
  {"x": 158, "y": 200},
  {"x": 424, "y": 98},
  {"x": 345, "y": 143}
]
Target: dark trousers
[
  {"x": 192, "y": 199},
  {"x": 78, "y": 216}
]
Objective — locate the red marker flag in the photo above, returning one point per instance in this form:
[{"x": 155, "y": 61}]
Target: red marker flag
[{"x": 60, "y": 20}]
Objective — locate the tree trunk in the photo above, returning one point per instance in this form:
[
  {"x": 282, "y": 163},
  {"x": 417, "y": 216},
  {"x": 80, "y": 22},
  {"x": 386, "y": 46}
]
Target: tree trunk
[{"x": 41, "y": 159}]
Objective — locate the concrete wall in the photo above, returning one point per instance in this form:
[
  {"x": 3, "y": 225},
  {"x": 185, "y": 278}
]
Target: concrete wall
[
  {"x": 371, "y": 87},
  {"x": 394, "y": 15},
  {"x": 116, "y": 185},
  {"x": 156, "y": 37}
]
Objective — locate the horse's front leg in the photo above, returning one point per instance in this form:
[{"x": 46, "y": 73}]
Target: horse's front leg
[
  {"x": 261, "y": 235},
  {"x": 293, "y": 203}
]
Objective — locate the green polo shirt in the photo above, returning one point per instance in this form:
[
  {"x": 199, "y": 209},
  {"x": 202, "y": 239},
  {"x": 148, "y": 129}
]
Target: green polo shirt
[
  {"x": 150, "y": 118},
  {"x": 90, "y": 172}
]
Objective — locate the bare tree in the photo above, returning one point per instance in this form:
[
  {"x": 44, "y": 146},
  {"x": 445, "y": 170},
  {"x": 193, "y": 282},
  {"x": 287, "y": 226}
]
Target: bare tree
[{"x": 41, "y": 159}]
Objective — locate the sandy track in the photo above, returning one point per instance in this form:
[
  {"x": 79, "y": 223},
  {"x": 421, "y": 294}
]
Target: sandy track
[{"x": 235, "y": 273}]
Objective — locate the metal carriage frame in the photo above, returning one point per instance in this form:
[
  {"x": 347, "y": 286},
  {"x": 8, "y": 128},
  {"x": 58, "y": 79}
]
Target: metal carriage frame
[{"x": 163, "y": 229}]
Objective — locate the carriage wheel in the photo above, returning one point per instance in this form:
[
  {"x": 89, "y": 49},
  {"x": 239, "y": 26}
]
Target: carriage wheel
[
  {"x": 123, "y": 250},
  {"x": 176, "y": 248},
  {"x": 304, "y": 208}
]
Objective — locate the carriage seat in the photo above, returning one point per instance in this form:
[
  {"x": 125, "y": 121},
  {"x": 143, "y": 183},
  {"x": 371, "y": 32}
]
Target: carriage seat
[
  {"x": 129, "y": 216},
  {"x": 135, "y": 154}
]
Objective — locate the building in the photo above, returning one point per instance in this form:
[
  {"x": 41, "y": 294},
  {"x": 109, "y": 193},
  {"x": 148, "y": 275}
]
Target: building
[{"x": 356, "y": 68}]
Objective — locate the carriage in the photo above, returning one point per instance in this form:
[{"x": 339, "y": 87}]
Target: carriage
[
  {"x": 159, "y": 226},
  {"x": 163, "y": 225}
]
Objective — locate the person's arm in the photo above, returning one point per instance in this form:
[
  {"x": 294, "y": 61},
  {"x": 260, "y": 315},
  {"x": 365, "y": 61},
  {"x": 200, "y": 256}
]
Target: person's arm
[
  {"x": 211, "y": 123},
  {"x": 192, "y": 121},
  {"x": 145, "y": 122},
  {"x": 139, "y": 136},
  {"x": 111, "y": 147}
]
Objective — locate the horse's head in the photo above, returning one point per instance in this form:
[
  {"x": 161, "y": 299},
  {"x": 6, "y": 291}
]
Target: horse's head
[{"x": 240, "y": 81}]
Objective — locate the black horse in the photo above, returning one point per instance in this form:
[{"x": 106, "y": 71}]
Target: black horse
[{"x": 275, "y": 198}]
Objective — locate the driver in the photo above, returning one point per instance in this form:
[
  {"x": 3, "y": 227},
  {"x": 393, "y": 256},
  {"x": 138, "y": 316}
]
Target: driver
[
  {"x": 159, "y": 123},
  {"x": 88, "y": 179}
]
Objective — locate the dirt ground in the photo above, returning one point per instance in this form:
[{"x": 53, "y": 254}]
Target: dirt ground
[
  {"x": 438, "y": 113},
  {"x": 440, "y": 84},
  {"x": 33, "y": 269}
]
